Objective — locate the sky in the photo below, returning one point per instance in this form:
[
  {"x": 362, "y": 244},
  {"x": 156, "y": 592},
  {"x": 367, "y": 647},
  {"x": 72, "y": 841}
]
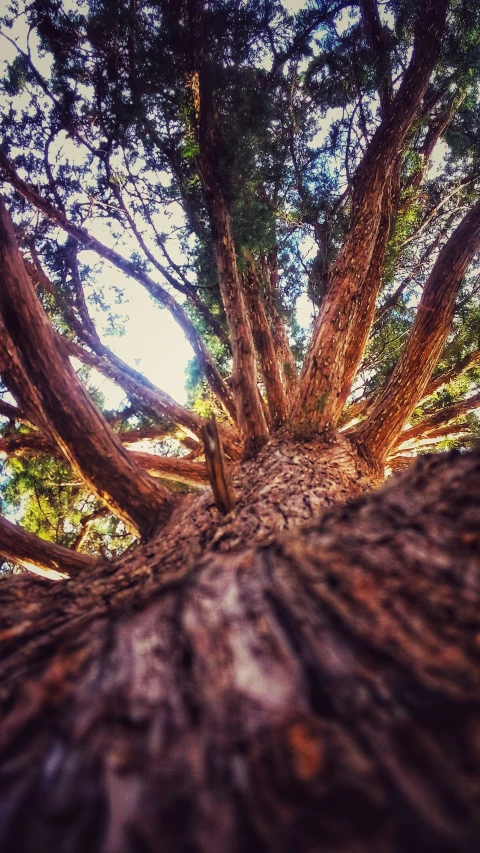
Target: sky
[{"x": 146, "y": 336}]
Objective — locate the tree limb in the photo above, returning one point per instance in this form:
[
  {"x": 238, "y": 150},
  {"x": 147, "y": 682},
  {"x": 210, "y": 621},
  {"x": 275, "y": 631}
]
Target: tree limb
[
  {"x": 319, "y": 400},
  {"x": 376, "y": 36},
  {"x": 407, "y": 385},
  {"x": 77, "y": 426},
  {"x": 19, "y": 546},
  {"x": 140, "y": 388},
  {"x": 167, "y": 467},
  {"x": 264, "y": 345},
  {"x": 79, "y": 234},
  {"x": 249, "y": 407},
  {"x": 443, "y": 416}
]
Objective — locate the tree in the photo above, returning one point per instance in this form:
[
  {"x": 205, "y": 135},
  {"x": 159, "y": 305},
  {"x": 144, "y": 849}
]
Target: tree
[{"x": 320, "y": 690}]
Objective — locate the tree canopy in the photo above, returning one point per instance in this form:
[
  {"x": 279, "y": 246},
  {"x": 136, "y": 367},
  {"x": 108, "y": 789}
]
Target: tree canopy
[{"x": 233, "y": 158}]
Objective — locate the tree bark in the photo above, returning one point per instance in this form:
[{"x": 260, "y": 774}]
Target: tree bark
[
  {"x": 249, "y": 405},
  {"x": 359, "y": 329},
  {"x": 265, "y": 346},
  {"x": 379, "y": 432},
  {"x": 167, "y": 467},
  {"x": 319, "y": 400},
  {"x": 65, "y": 408},
  {"x": 25, "y": 548},
  {"x": 285, "y": 358},
  {"x": 138, "y": 387},
  {"x": 319, "y": 694},
  {"x": 249, "y": 408},
  {"x": 13, "y": 413},
  {"x": 361, "y": 407},
  {"x": 82, "y": 237},
  {"x": 443, "y": 416}
]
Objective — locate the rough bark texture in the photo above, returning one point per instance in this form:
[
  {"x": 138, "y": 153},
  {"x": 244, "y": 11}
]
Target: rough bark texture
[
  {"x": 265, "y": 347},
  {"x": 34, "y": 553},
  {"x": 319, "y": 694},
  {"x": 272, "y": 300},
  {"x": 85, "y": 239},
  {"x": 319, "y": 400},
  {"x": 63, "y": 404},
  {"x": 138, "y": 387},
  {"x": 249, "y": 409},
  {"x": 361, "y": 323},
  {"x": 249, "y": 405},
  {"x": 433, "y": 319}
]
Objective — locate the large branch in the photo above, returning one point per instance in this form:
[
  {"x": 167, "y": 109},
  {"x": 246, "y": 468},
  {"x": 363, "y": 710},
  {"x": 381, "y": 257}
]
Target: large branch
[
  {"x": 167, "y": 467},
  {"x": 249, "y": 406},
  {"x": 84, "y": 327},
  {"x": 431, "y": 327},
  {"x": 172, "y": 468},
  {"x": 77, "y": 426},
  {"x": 319, "y": 400},
  {"x": 465, "y": 363},
  {"x": 376, "y": 36},
  {"x": 359, "y": 330},
  {"x": 437, "y": 419},
  {"x": 361, "y": 407},
  {"x": 82, "y": 236},
  {"x": 149, "y": 396},
  {"x": 11, "y": 412},
  {"x": 272, "y": 299},
  {"x": 15, "y": 380},
  {"x": 19, "y": 546},
  {"x": 264, "y": 345}
]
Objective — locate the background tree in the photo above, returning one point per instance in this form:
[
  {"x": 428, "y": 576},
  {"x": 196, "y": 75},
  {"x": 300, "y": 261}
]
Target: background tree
[{"x": 231, "y": 158}]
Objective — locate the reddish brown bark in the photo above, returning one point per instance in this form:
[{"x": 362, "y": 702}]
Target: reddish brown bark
[
  {"x": 359, "y": 329},
  {"x": 14, "y": 378},
  {"x": 140, "y": 388},
  {"x": 272, "y": 298},
  {"x": 78, "y": 428},
  {"x": 449, "y": 413},
  {"x": 265, "y": 346},
  {"x": 207, "y": 365},
  {"x": 407, "y": 385},
  {"x": 319, "y": 400},
  {"x": 360, "y": 408},
  {"x": 320, "y": 694},
  {"x": 249, "y": 406},
  {"x": 22, "y": 547},
  {"x": 172, "y": 468},
  {"x": 167, "y": 467}
]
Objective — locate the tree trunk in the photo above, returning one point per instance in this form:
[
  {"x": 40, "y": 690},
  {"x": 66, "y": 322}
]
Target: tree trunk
[{"x": 319, "y": 693}]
